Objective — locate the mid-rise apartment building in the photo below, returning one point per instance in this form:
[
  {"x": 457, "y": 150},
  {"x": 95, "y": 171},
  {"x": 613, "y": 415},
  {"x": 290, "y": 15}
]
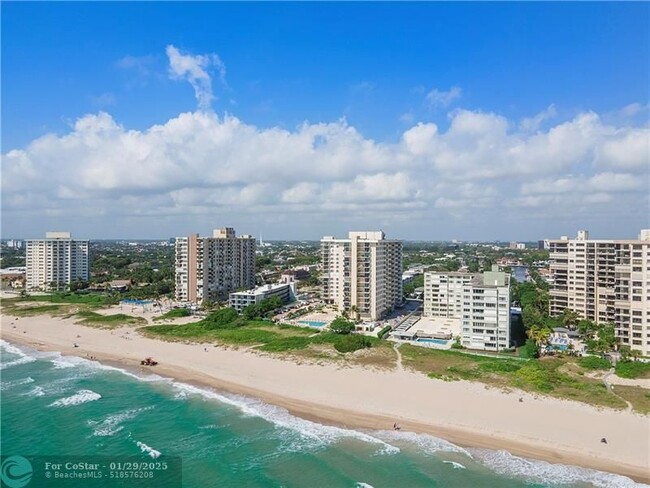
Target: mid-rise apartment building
[
  {"x": 210, "y": 268},
  {"x": 604, "y": 281},
  {"x": 480, "y": 302},
  {"x": 443, "y": 293},
  {"x": 486, "y": 312},
  {"x": 362, "y": 273},
  {"x": 56, "y": 261}
]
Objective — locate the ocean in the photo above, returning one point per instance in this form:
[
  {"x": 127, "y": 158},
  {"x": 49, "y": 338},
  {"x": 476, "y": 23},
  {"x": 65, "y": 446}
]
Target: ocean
[{"x": 64, "y": 406}]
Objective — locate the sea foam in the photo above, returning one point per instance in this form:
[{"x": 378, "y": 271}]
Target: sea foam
[
  {"x": 149, "y": 450},
  {"x": 82, "y": 396},
  {"x": 317, "y": 435},
  {"x": 23, "y": 358},
  {"x": 536, "y": 471},
  {"x": 111, "y": 425},
  {"x": 5, "y": 385},
  {"x": 424, "y": 442}
]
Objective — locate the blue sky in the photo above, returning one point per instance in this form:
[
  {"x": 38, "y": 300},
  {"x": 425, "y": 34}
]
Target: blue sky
[{"x": 378, "y": 69}]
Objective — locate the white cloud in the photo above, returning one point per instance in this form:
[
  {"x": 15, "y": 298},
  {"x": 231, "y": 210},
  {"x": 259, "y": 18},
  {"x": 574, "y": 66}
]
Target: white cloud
[
  {"x": 439, "y": 98},
  {"x": 533, "y": 123},
  {"x": 194, "y": 68},
  {"x": 199, "y": 164}
]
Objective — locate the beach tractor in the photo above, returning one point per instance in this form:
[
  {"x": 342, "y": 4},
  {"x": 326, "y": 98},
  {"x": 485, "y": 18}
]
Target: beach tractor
[{"x": 148, "y": 362}]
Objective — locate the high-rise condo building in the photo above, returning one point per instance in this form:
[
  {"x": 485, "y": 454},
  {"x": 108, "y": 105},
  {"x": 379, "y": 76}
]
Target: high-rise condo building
[
  {"x": 210, "y": 268},
  {"x": 56, "y": 261},
  {"x": 481, "y": 302},
  {"x": 363, "y": 273},
  {"x": 604, "y": 281}
]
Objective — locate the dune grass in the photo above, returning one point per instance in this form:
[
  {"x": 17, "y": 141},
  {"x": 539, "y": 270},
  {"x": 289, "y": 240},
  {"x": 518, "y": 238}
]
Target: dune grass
[
  {"x": 224, "y": 327},
  {"x": 546, "y": 376},
  {"x": 633, "y": 369},
  {"x": 94, "y": 319},
  {"x": 638, "y": 397},
  {"x": 174, "y": 313}
]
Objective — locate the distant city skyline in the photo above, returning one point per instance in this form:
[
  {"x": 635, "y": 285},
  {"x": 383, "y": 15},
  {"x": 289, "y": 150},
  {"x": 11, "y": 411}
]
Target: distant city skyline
[{"x": 429, "y": 121}]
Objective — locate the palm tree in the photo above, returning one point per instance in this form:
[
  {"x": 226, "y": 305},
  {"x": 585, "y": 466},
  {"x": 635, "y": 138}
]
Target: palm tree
[
  {"x": 570, "y": 318},
  {"x": 539, "y": 334}
]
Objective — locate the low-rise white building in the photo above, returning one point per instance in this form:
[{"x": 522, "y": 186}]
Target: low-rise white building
[{"x": 242, "y": 299}]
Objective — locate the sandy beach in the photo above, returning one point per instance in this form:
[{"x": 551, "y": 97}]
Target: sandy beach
[{"x": 467, "y": 414}]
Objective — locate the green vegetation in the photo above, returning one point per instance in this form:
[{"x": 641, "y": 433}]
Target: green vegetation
[
  {"x": 384, "y": 331},
  {"x": 262, "y": 309},
  {"x": 594, "y": 362},
  {"x": 553, "y": 376},
  {"x": 29, "y": 311},
  {"x": 226, "y": 327},
  {"x": 633, "y": 369},
  {"x": 529, "y": 350},
  {"x": 409, "y": 288},
  {"x": 94, "y": 319},
  {"x": 174, "y": 313},
  {"x": 341, "y": 326},
  {"x": 638, "y": 397},
  {"x": 81, "y": 298}
]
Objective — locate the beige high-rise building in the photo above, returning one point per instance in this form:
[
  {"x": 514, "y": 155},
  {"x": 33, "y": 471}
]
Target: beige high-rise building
[
  {"x": 210, "y": 268},
  {"x": 605, "y": 281},
  {"x": 56, "y": 261},
  {"x": 362, "y": 273}
]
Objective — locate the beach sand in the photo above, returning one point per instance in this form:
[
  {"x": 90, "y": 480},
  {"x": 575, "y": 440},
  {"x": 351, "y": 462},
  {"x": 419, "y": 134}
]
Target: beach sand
[{"x": 465, "y": 413}]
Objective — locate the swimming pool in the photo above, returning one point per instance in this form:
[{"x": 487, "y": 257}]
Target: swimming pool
[
  {"x": 433, "y": 341},
  {"x": 132, "y": 301},
  {"x": 313, "y": 323}
]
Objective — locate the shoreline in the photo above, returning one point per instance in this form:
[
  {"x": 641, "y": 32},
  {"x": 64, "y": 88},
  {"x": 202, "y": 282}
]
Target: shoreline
[{"x": 359, "y": 398}]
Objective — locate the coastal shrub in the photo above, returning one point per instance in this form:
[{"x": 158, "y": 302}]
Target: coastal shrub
[
  {"x": 174, "y": 314},
  {"x": 594, "y": 362},
  {"x": 118, "y": 319},
  {"x": 529, "y": 350},
  {"x": 341, "y": 326},
  {"x": 221, "y": 319},
  {"x": 533, "y": 375},
  {"x": 384, "y": 331},
  {"x": 633, "y": 369},
  {"x": 350, "y": 343}
]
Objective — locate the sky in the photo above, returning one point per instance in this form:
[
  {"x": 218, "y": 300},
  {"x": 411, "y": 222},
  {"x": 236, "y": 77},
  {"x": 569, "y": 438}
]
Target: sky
[{"x": 429, "y": 121}]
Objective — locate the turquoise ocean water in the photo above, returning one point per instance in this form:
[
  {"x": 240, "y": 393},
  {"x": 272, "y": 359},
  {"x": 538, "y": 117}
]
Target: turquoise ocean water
[{"x": 54, "y": 405}]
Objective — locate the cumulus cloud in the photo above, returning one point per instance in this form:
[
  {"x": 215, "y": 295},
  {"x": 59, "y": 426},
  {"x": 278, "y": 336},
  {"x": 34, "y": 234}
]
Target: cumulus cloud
[
  {"x": 198, "y": 163},
  {"x": 533, "y": 123},
  {"x": 194, "y": 69},
  {"x": 440, "y": 98}
]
